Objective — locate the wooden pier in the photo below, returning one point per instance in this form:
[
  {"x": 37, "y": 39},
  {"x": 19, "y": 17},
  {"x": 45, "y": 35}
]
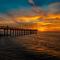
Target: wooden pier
[{"x": 10, "y": 31}]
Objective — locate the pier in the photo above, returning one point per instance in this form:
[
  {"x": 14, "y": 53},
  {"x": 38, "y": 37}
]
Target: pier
[{"x": 14, "y": 31}]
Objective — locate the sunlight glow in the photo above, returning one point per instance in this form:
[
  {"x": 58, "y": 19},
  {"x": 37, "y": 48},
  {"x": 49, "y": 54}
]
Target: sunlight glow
[
  {"x": 35, "y": 18},
  {"x": 27, "y": 18},
  {"x": 42, "y": 29}
]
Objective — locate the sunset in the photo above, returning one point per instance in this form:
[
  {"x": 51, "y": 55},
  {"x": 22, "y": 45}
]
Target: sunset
[
  {"x": 46, "y": 25},
  {"x": 29, "y": 29}
]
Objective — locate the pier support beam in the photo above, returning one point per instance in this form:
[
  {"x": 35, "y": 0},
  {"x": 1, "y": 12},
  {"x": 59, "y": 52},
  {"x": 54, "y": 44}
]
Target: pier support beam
[{"x": 4, "y": 32}]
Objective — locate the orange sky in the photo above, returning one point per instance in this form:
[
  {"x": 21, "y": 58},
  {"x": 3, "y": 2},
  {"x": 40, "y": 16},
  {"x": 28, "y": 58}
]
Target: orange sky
[
  {"x": 42, "y": 26},
  {"x": 35, "y": 18},
  {"x": 37, "y": 22}
]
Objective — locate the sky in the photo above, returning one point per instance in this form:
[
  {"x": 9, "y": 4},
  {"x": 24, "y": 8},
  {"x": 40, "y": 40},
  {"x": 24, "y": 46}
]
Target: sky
[
  {"x": 6, "y": 5},
  {"x": 15, "y": 12}
]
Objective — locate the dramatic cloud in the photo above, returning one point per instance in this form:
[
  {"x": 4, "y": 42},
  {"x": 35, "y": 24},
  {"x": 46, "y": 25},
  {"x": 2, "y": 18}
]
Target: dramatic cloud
[
  {"x": 29, "y": 15},
  {"x": 15, "y": 15}
]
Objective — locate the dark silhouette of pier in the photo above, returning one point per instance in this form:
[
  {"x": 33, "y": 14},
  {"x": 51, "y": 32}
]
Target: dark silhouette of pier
[{"x": 14, "y": 31}]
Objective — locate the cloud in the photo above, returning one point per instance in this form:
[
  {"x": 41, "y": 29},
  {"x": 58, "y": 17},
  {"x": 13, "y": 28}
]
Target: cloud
[
  {"x": 37, "y": 9},
  {"x": 54, "y": 8},
  {"x": 23, "y": 15},
  {"x": 31, "y": 2},
  {"x": 34, "y": 11},
  {"x": 6, "y": 20},
  {"x": 27, "y": 13}
]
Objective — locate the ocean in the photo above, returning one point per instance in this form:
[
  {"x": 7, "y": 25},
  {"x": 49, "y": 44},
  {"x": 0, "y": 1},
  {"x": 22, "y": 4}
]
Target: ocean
[{"x": 40, "y": 46}]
